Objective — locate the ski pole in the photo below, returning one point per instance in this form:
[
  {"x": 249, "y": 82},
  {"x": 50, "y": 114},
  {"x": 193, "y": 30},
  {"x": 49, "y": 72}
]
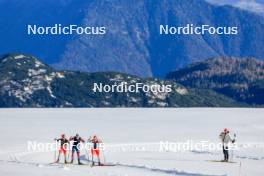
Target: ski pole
[
  {"x": 239, "y": 171},
  {"x": 103, "y": 153},
  {"x": 87, "y": 153},
  {"x": 55, "y": 151},
  {"x": 55, "y": 155},
  {"x": 103, "y": 156},
  {"x": 92, "y": 159},
  {"x": 69, "y": 151},
  {"x": 232, "y": 154}
]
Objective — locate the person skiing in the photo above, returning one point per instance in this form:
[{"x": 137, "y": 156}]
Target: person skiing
[
  {"x": 64, "y": 142},
  {"x": 226, "y": 139},
  {"x": 76, "y": 147},
  {"x": 95, "y": 150}
]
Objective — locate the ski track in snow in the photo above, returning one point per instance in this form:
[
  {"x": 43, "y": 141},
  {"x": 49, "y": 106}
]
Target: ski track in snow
[
  {"x": 142, "y": 167},
  {"x": 166, "y": 171},
  {"x": 15, "y": 158},
  {"x": 170, "y": 125},
  {"x": 235, "y": 156}
]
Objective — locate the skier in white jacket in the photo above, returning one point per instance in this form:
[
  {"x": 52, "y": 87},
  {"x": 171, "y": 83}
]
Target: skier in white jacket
[{"x": 226, "y": 139}]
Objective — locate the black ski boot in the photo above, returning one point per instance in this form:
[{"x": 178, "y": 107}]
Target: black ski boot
[{"x": 79, "y": 162}]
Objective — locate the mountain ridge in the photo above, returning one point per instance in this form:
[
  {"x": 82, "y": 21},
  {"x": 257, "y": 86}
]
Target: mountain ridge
[
  {"x": 132, "y": 44},
  {"x": 27, "y": 82},
  {"x": 238, "y": 78}
]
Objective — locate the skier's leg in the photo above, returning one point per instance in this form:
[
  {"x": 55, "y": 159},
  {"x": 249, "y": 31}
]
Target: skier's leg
[
  {"x": 68, "y": 155},
  {"x": 87, "y": 153},
  {"x": 98, "y": 156},
  {"x": 58, "y": 159},
  {"x": 65, "y": 156},
  {"x": 72, "y": 156},
  {"x": 99, "y": 162},
  {"x": 224, "y": 152},
  {"x": 92, "y": 151},
  {"x": 78, "y": 155},
  {"x": 227, "y": 154}
]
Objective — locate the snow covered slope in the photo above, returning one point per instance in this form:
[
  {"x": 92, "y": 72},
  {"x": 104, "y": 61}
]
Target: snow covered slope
[{"x": 137, "y": 128}]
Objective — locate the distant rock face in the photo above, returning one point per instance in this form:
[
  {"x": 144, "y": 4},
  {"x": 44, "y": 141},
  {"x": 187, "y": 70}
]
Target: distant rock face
[
  {"x": 239, "y": 78},
  {"x": 132, "y": 43},
  {"x": 26, "y": 82},
  {"x": 256, "y": 6}
]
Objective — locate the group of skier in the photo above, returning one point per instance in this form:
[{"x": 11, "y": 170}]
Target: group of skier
[
  {"x": 73, "y": 143},
  {"x": 76, "y": 140}
]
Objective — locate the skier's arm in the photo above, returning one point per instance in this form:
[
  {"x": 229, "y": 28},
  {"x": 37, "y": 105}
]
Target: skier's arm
[
  {"x": 221, "y": 136},
  {"x": 57, "y": 139},
  {"x": 89, "y": 139}
]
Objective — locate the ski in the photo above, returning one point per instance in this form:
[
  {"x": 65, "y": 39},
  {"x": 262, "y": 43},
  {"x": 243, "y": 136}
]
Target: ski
[
  {"x": 105, "y": 164},
  {"x": 221, "y": 161},
  {"x": 80, "y": 164},
  {"x": 58, "y": 164}
]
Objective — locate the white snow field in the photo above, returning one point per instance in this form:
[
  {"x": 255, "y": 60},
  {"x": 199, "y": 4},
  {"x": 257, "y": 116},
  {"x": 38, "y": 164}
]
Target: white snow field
[{"x": 139, "y": 130}]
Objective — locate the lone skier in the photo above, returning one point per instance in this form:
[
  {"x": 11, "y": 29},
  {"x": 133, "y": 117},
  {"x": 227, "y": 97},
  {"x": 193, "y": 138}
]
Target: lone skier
[
  {"x": 226, "y": 139},
  {"x": 64, "y": 142},
  {"x": 95, "y": 148},
  {"x": 76, "y": 147}
]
